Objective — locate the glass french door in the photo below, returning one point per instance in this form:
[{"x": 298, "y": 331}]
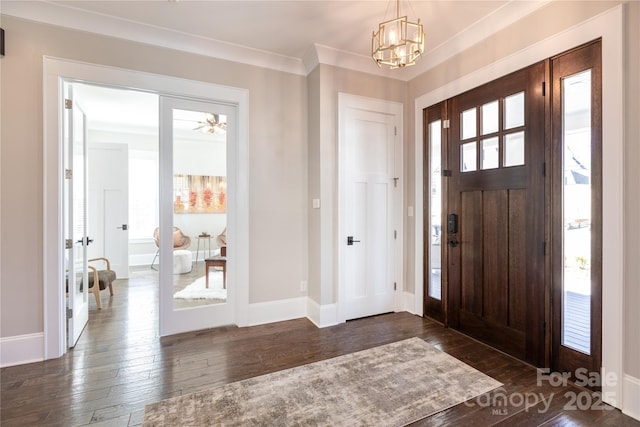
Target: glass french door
[
  {"x": 194, "y": 140},
  {"x": 577, "y": 209},
  {"x": 75, "y": 214}
]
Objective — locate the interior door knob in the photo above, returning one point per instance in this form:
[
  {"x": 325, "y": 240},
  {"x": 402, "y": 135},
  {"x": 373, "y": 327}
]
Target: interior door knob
[{"x": 350, "y": 241}]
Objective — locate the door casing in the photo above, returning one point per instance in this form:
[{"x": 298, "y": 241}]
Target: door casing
[
  {"x": 54, "y": 72},
  {"x": 607, "y": 26}
]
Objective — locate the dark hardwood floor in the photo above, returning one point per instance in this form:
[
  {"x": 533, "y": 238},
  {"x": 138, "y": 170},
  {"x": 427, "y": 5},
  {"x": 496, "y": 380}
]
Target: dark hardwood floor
[{"x": 120, "y": 365}]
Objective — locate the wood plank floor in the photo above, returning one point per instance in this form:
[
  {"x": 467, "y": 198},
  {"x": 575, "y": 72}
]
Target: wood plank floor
[{"x": 120, "y": 365}]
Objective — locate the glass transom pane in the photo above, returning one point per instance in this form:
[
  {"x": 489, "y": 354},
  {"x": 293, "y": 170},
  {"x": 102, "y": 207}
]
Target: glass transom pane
[
  {"x": 489, "y": 115},
  {"x": 468, "y": 124},
  {"x": 514, "y": 111},
  {"x": 468, "y": 157},
  {"x": 490, "y": 153},
  {"x": 514, "y": 149}
]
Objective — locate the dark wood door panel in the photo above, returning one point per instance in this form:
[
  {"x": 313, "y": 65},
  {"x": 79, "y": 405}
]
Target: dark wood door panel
[
  {"x": 495, "y": 252},
  {"x": 495, "y": 334},
  {"x": 470, "y": 259},
  {"x": 517, "y": 259}
]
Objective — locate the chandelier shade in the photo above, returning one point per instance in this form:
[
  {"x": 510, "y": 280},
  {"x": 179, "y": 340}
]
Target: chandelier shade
[{"x": 397, "y": 43}]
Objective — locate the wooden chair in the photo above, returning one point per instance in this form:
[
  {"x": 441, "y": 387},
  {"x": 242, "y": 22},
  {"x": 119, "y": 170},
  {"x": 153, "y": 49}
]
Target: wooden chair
[{"x": 104, "y": 278}]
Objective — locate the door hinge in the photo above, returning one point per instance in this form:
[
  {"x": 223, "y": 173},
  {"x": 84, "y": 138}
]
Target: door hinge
[
  {"x": 395, "y": 182},
  {"x": 68, "y": 104},
  {"x": 69, "y": 313},
  {"x": 395, "y": 131},
  {"x": 544, "y": 168},
  {"x": 395, "y": 286},
  {"x": 544, "y": 88},
  {"x": 445, "y": 124},
  {"x": 544, "y": 248},
  {"x": 68, "y": 174},
  {"x": 68, "y": 244},
  {"x": 395, "y": 234}
]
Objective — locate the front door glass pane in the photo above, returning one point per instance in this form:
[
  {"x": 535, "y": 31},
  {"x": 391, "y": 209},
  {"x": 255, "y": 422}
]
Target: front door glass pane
[
  {"x": 490, "y": 153},
  {"x": 468, "y": 124},
  {"x": 576, "y": 297},
  {"x": 199, "y": 207},
  {"x": 468, "y": 157},
  {"x": 514, "y": 111},
  {"x": 489, "y": 113},
  {"x": 435, "y": 206},
  {"x": 514, "y": 149}
]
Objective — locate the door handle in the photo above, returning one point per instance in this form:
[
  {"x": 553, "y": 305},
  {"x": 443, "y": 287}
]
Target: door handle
[
  {"x": 82, "y": 241},
  {"x": 453, "y": 242},
  {"x": 350, "y": 241},
  {"x": 123, "y": 228}
]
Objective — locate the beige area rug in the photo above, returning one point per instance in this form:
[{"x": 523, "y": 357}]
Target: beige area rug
[{"x": 390, "y": 385}]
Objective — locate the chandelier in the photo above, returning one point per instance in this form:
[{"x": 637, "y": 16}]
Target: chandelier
[{"x": 398, "y": 42}]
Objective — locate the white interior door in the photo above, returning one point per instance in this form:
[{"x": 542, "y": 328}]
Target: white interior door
[
  {"x": 109, "y": 202},
  {"x": 75, "y": 195},
  {"x": 368, "y": 188},
  {"x": 190, "y": 192}
]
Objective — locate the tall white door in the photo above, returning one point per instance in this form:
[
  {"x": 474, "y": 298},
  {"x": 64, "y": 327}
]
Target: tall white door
[
  {"x": 368, "y": 209},
  {"x": 109, "y": 202},
  {"x": 75, "y": 211},
  {"x": 191, "y": 189}
]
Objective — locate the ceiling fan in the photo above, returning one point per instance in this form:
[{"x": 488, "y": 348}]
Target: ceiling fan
[{"x": 212, "y": 124}]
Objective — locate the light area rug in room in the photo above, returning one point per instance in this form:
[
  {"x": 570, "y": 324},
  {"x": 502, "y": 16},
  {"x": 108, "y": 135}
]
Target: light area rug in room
[
  {"x": 390, "y": 385},
  {"x": 198, "y": 290}
]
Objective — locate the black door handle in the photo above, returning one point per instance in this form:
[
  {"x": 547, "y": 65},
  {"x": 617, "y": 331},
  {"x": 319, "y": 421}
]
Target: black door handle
[
  {"x": 453, "y": 243},
  {"x": 350, "y": 241}
]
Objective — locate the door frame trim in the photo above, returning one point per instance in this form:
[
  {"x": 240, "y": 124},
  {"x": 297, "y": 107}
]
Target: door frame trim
[
  {"x": 346, "y": 101},
  {"x": 54, "y": 71},
  {"x": 608, "y": 26}
]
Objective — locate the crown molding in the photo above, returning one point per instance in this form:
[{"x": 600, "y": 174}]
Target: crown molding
[
  {"x": 70, "y": 17},
  {"x": 73, "y": 18},
  {"x": 488, "y": 25}
]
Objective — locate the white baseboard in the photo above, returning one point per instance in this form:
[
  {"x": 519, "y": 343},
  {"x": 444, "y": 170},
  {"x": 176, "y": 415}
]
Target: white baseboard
[
  {"x": 409, "y": 302},
  {"x": 141, "y": 259},
  {"x": 631, "y": 396},
  {"x": 322, "y": 315},
  {"x": 277, "y": 311},
  {"x": 21, "y": 349}
]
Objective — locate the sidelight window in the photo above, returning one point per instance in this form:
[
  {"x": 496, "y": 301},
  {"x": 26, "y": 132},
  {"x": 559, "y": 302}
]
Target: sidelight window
[
  {"x": 435, "y": 206},
  {"x": 576, "y": 202}
]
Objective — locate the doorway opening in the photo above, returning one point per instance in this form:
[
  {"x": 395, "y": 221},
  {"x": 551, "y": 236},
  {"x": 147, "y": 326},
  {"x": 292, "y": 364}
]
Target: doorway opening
[
  {"x": 235, "y": 101},
  {"x": 523, "y": 211}
]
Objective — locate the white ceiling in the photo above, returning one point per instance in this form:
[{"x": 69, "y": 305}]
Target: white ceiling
[
  {"x": 291, "y": 36},
  {"x": 291, "y": 28},
  {"x": 295, "y": 35}
]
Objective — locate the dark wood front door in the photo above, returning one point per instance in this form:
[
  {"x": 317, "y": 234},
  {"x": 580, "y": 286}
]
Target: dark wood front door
[{"x": 495, "y": 221}]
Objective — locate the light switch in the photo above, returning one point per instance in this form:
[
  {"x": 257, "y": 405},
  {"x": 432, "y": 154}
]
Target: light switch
[{"x": 316, "y": 203}]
